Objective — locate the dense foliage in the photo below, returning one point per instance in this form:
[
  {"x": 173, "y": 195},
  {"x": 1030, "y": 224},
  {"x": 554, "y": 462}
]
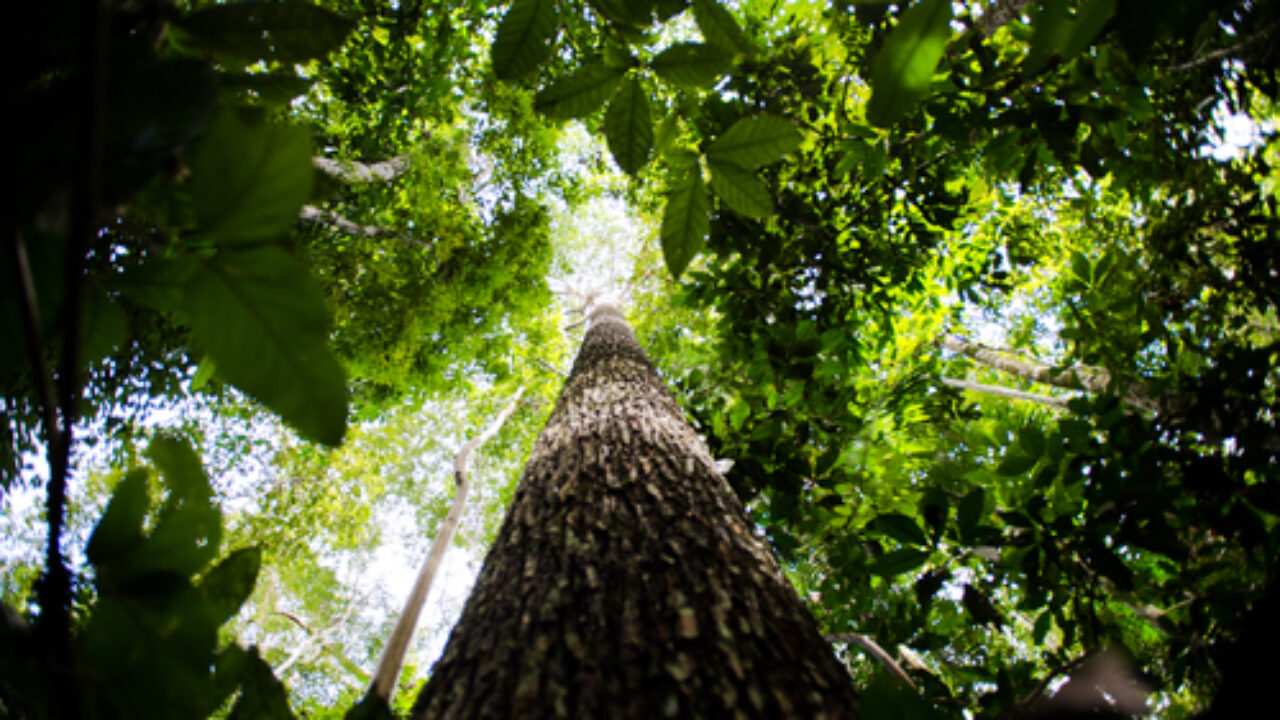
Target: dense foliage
[{"x": 978, "y": 297}]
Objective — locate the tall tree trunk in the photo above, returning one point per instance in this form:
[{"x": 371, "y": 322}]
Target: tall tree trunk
[{"x": 626, "y": 580}]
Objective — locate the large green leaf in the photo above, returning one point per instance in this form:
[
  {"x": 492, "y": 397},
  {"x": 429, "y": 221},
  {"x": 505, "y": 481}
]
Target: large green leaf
[
  {"x": 740, "y": 189},
  {"x": 628, "y": 127},
  {"x": 755, "y": 140},
  {"x": 579, "y": 94},
  {"x": 249, "y": 183},
  {"x": 691, "y": 64},
  {"x": 898, "y": 562},
  {"x": 902, "y": 72},
  {"x": 901, "y": 528},
  {"x": 685, "y": 221},
  {"x": 525, "y": 38},
  {"x": 258, "y": 314},
  {"x": 720, "y": 28},
  {"x": 289, "y": 31}
]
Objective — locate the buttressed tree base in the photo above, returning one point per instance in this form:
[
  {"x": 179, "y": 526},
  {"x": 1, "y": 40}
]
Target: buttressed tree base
[{"x": 626, "y": 580}]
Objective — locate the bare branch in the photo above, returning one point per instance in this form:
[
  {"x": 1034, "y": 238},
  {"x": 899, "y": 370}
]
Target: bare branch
[
  {"x": 317, "y": 216},
  {"x": 875, "y": 651},
  {"x": 392, "y": 661},
  {"x": 1225, "y": 52},
  {"x": 999, "y": 13},
  {"x": 1056, "y": 402},
  {"x": 1088, "y": 379},
  {"x": 353, "y": 171}
]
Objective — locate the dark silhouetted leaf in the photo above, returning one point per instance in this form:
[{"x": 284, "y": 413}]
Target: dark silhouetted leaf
[
  {"x": 900, "y": 528},
  {"x": 580, "y": 94},
  {"x": 289, "y": 31},
  {"x": 230, "y": 582},
  {"x": 898, "y": 562},
  {"x": 754, "y": 141},
  {"x": 525, "y": 38},
  {"x": 720, "y": 28},
  {"x": 740, "y": 189},
  {"x": 120, "y": 529},
  {"x": 685, "y": 221},
  {"x": 628, "y": 127}
]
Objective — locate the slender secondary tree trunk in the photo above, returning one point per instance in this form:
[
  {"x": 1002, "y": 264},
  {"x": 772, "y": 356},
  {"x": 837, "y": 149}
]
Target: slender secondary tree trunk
[{"x": 626, "y": 580}]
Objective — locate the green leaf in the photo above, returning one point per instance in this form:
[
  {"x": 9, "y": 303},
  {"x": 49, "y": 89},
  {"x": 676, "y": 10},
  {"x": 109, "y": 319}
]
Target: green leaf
[
  {"x": 290, "y": 32},
  {"x": 120, "y": 529},
  {"x": 900, "y": 528},
  {"x": 580, "y": 94},
  {"x": 258, "y": 314},
  {"x": 898, "y": 562},
  {"x": 691, "y": 64},
  {"x": 740, "y": 189},
  {"x": 980, "y": 607},
  {"x": 685, "y": 221},
  {"x": 756, "y": 140},
  {"x": 720, "y": 28},
  {"x": 525, "y": 38},
  {"x": 1015, "y": 464},
  {"x": 248, "y": 183},
  {"x": 228, "y": 585},
  {"x": 273, "y": 89},
  {"x": 970, "y": 513},
  {"x": 1031, "y": 439},
  {"x": 183, "y": 542},
  {"x": 903, "y": 70},
  {"x": 628, "y": 127}
]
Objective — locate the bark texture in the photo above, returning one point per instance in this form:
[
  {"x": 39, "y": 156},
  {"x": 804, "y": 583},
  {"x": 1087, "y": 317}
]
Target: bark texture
[{"x": 626, "y": 581}]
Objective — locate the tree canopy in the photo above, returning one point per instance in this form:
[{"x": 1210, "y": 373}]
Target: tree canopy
[{"x": 980, "y": 299}]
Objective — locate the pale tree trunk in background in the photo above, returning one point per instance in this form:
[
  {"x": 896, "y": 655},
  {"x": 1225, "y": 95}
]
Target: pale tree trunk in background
[{"x": 626, "y": 580}]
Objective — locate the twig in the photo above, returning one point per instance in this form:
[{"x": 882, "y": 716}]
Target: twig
[
  {"x": 550, "y": 368},
  {"x": 1223, "y": 52},
  {"x": 387, "y": 674},
  {"x": 876, "y": 652},
  {"x": 1057, "y": 402}
]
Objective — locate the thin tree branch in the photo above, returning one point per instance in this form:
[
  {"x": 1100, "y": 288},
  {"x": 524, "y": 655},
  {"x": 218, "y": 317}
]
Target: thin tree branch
[
  {"x": 317, "y": 216},
  {"x": 353, "y": 171},
  {"x": 1091, "y": 380},
  {"x": 322, "y": 644},
  {"x": 875, "y": 651},
  {"x": 1056, "y": 402},
  {"x": 387, "y": 674},
  {"x": 29, "y": 307},
  {"x": 1224, "y": 52},
  {"x": 998, "y": 14}
]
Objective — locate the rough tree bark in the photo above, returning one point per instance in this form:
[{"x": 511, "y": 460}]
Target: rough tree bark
[{"x": 626, "y": 580}]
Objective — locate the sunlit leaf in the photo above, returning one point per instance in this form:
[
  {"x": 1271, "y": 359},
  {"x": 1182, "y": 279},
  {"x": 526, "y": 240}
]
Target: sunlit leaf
[
  {"x": 249, "y": 182},
  {"x": 755, "y": 140},
  {"x": 691, "y": 64},
  {"x": 903, "y": 70},
  {"x": 263, "y": 321}
]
